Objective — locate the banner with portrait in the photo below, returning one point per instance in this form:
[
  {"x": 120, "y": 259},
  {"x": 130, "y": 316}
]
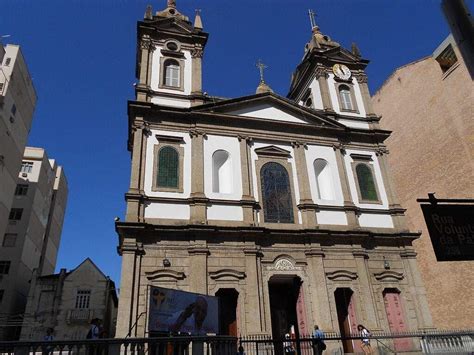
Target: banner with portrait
[{"x": 178, "y": 311}]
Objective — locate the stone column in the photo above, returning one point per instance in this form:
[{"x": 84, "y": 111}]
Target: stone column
[
  {"x": 134, "y": 209},
  {"x": 346, "y": 192},
  {"x": 146, "y": 48},
  {"x": 368, "y": 301},
  {"x": 399, "y": 219},
  {"x": 319, "y": 292},
  {"x": 417, "y": 289},
  {"x": 308, "y": 214},
  {"x": 198, "y": 269},
  {"x": 198, "y": 200},
  {"x": 364, "y": 91},
  {"x": 196, "y": 79},
  {"x": 253, "y": 292},
  {"x": 126, "y": 307},
  {"x": 321, "y": 75},
  {"x": 248, "y": 200}
]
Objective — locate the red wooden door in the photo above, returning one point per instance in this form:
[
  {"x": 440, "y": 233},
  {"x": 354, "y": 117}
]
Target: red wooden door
[
  {"x": 353, "y": 323},
  {"x": 301, "y": 313},
  {"x": 396, "y": 319}
]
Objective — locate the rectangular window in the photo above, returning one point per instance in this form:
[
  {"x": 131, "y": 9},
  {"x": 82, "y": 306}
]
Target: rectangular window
[
  {"x": 26, "y": 167},
  {"x": 21, "y": 189},
  {"x": 4, "y": 267},
  {"x": 7, "y": 61},
  {"x": 15, "y": 214},
  {"x": 447, "y": 58},
  {"x": 9, "y": 239},
  {"x": 1, "y": 86},
  {"x": 83, "y": 299}
]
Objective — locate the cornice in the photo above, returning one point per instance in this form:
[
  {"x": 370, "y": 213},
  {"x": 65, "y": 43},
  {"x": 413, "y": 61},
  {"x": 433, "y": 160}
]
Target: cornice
[
  {"x": 227, "y": 274},
  {"x": 341, "y": 275},
  {"x": 388, "y": 275},
  {"x": 165, "y": 273}
]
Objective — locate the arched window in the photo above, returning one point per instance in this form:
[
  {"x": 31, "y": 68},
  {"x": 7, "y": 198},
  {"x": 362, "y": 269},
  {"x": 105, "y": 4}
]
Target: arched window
[
  {"x": 221, "y": 172},
  {"x": 345, "y": 97},
  {"x": 276, "y": 194},
  {"x": 168, "y": 167},
  {"x": 366, "y": 182},
  {"x": 171, "y": 73},
  {"x": 324, "y": 183}
]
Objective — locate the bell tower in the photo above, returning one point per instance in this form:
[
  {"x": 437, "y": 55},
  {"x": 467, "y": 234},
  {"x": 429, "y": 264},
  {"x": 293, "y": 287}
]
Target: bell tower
[
  {"x": 169, "y": 58},
  {"x": 332, "y": 79}
]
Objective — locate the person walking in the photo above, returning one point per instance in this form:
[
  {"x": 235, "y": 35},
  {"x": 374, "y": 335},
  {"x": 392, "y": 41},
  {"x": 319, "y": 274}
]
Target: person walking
[
  {"x": 318, "y": 341},
  {"x": 288, "y": 346},
  {"x": 364, "y": 337},
  {"x": 47, "y": 349}
]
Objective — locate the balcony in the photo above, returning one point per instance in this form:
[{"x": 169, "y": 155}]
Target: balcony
[{"x": 79, "y": 315}]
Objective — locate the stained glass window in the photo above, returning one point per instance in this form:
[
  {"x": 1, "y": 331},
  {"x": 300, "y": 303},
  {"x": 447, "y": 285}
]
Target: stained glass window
[
  {"x": 366, "y": 183},
  {"x": 276, "y": 194},
  {"x": 168, "y": 167}
]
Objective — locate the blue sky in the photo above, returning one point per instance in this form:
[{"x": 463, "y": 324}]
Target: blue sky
[{"x": 81, "y": 55}]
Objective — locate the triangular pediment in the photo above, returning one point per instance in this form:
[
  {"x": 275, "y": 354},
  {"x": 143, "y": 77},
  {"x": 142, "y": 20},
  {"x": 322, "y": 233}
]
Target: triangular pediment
[
  {"x": 273, "y": 151},
  {"x": 172, "y": 25},
  {"x": 269, "y": 106}
]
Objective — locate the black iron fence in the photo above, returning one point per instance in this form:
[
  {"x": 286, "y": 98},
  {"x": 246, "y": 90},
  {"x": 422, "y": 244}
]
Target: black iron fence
[
  {"x": 434, "y": 342},
  {"x": 444, "y": 342}
]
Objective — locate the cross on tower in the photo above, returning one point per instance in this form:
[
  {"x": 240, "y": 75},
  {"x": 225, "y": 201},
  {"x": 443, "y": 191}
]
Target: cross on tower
[
  {"x": 312, "y": 15},
  {"x": 261, "y": 67}
]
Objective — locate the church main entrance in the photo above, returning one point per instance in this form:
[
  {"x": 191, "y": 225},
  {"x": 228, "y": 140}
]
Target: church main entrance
[{"x": 286, "y": 303}]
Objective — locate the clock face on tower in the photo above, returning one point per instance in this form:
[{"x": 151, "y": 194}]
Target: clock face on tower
[{"x": 341, "y": 71}]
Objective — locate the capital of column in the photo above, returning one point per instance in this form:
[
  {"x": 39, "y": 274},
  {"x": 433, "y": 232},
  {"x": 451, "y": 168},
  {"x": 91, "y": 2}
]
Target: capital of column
[
  {"x": 130, "y": 248},
  {"x": 339, "y": 146},
  {"x": 197, "y": 52},
  {"x": 198, "y": 251},
  {"x": 146, "y": 43},
  {"x": 360, "y": 254},
  {"x": 361, "y": 78},
  {"x": 194, "y": 133},
  {"x": 253, "y": 251},
  {"x": 321, "y": 71},
  {"x": 297, "y": 144},
  {"x": 408, "y": 254},
  {"x": 247, "y": 139},
  {"x": 381, "y": 151},
  {"x": 315, "y": 252}
]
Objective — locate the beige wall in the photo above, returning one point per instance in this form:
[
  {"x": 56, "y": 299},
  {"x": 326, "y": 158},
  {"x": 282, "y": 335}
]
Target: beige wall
[
  {"x": 52, "y": 304},
  {"x": 431, "y": 150}
]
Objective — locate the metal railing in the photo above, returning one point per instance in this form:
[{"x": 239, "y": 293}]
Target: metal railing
[
  {"x": 436, "y": 342},
  {"x": 433, "y": 342}
]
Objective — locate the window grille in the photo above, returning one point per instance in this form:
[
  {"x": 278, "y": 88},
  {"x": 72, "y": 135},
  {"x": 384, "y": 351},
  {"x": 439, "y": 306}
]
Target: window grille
[
  {"x": 21, "y": 190},
  {"x": 366, "y": 183},
  {"x": 26, "y": 167},
  {"x": 276, "y": 194},
  {"x": 83, "y": 299},
  {"x": 345, "y": 95},
  {"x": 172, "y": 73},
  {"x": 447, "y": 58},
  {"x": 15, "y": 214},
  {"x": 4, "y": 267},
  {"x": 168, "y": 167}
]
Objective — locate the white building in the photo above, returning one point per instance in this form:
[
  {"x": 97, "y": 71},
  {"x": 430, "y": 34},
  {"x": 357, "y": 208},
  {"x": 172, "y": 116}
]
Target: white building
[
  {"x": 17, "y": 104},
  {"x": 31, "y": 240},
  {"x": 283, "y": 207}
]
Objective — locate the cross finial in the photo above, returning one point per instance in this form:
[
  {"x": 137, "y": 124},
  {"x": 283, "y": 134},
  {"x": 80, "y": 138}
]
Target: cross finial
[
  {"x": 312, "y": 15},
  {"x": 261, "y": 67},
  {"x": 172, "y": 3}
]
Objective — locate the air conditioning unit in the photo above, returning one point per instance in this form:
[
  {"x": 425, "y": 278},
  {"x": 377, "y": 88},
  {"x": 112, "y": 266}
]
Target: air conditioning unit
[{"x": 24, "y": 174}]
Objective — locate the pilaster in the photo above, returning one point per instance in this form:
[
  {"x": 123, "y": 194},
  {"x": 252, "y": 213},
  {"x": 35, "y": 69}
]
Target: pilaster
[
  {"x": 319, "y": 291},
  {"x": 196, "y": 80},
  {"x": 198, "y": 199},
  {"x": 253, "y": 292},
  {"x": 399, "y": 219},
  {"x": 146, "y": 47},
  {"x": 198, "y": 270},
  {"x": 364, "y": 90},
  {"x": 137, "y": 175},
  {"x": 308, "y": 215},
  {"x": 417, "y": 289},
  {"x": 248, "y": 199},
  {"x": 346, "y": 192},
  {"x": 368, "y": 301},
  {"x": 322, "y": 75}
]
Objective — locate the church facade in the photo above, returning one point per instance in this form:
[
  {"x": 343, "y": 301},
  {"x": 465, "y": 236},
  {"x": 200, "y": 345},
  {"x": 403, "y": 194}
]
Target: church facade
[{"x": 281, "y": 206}]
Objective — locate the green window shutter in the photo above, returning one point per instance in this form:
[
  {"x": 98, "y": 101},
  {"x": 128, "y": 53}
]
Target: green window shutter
[
  {"x": 168, "y": 167},
  {"x": 366, "y": 183}
]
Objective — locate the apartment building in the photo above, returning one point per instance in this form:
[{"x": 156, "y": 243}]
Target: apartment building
[
  {"x": 31, "y": 240},
  {"x": 17, "y": 104}
]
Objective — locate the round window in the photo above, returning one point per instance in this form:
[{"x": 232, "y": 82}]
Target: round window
[{"x": 172, "y": 46}]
